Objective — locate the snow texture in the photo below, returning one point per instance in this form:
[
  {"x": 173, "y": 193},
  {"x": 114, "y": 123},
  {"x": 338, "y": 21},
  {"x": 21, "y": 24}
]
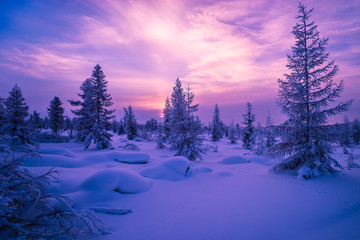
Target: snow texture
[
  {"x": 119, "y": 180},
  {"x": 234, "y": 160},
  {"x": 173, "y": 169}
]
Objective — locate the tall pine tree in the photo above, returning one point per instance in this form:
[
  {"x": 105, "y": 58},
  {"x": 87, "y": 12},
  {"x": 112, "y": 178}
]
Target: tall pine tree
[
  {"x": 94, "y": 116},
  {"x": 304, "y": 96},
  {"x": 101, "y": 115},
  {"x": 56, "y": 115}
]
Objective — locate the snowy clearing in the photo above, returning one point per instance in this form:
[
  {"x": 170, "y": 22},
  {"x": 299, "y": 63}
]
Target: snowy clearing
[{"x": 167, "y": 197}]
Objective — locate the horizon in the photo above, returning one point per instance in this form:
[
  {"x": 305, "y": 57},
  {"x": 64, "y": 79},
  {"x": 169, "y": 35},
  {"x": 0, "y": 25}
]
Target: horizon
[{"x": 230, "y": 52}]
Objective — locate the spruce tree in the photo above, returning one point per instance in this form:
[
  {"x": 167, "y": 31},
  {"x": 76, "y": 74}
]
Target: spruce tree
[
  {"x": 304, "y": 96},
  {"x": 101, "y": 115},
  {"x": 35, "y": 121},
  {"x": 216, "y": 126},
  {"x": 186, "y": 129},
  {"x": 248, "y": 133},
  {"x": 2, "y": 114},
  {"x": 167, "y": 117},
  {"x": 356, "y": 131},
  {"x": 14, "y": 118},
  {"x": 131, "y": 124},
  {"x": 232, "y": 133},
  {"x": 269, "y": 131},
  {"x": 56, "y": 115},
  {"x": 84, "y": 115}
]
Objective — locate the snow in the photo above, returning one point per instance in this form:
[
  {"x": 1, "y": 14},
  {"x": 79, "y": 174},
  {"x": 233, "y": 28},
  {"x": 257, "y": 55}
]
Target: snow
[
  {"x": 172, "y": 198},
  {"x": 234, "y": 160},
  {"x": 173, "y": 169},
  {"x": 56, "y": 151},
  {"x": 119, "y": 180}
]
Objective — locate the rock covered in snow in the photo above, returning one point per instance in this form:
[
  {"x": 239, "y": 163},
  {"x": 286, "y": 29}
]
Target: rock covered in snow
[
  {"x": 119, "y": 180},
  {"x": 234, "y": 160},
  {"x": 173, "y": 169}
]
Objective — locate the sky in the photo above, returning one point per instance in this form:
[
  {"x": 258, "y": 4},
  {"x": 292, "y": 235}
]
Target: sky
[{"x": 229, "y": 52}]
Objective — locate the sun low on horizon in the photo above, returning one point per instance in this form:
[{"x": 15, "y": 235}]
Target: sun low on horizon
[{"x": 229, "y": 52}]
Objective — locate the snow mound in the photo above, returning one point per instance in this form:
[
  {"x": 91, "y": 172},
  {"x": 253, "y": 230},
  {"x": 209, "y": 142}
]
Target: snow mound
[
  {"x": 129, "y": 157},
  {"x": 124, "y": 157},
  {"x": 119, "y": 180},
  {"x": 48, "y": 160},
  {"x": 139, "y": 139},
  {"x": 234, "y": 160},
  {"x": 173, "y": 169},
  {"x": 56, "y": 151},
  {"x": 305, "y": 173},
  {"x": 261, "y": 160}
]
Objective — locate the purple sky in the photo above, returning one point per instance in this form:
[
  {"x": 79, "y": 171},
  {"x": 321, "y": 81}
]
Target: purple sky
[{"x": 230, "y": 52}]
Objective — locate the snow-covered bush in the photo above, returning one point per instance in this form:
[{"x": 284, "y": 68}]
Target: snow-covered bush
[
  {"x": 130, "y": 146},
  {"x": 27, "y": 211}
]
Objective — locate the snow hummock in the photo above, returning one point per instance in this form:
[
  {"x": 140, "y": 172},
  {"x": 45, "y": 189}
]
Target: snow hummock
[
  {"x": 119, "y": 180},
  {"x": 234, "y": 160},
  {"x": 56, "y": 151},
  {"x": 173, "y": 169}
]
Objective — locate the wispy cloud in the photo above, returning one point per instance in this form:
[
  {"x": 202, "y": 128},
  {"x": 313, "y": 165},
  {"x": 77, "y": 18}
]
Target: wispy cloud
[{"x": 229, "y": 51}]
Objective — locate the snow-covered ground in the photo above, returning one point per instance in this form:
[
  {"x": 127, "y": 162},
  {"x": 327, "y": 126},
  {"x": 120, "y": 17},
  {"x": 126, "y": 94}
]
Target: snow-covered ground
[{"x": 229, "y": 195}]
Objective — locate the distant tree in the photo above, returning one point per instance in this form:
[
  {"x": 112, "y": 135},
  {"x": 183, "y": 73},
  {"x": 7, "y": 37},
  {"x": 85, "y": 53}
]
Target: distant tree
[
  {"x": 2, "y": 113},
  {"x": 356, "y": 131},
  {"x": 304, "y": 96},
  {"x": 160, "y": 138},
  {"x": 248, "y": 133},
  {"x": 269, "y": 131},
  {"x": 167, "y": 117},
  {"x": 14, "y": 119},
  {"x": 131, "y": 124},
  {"x": 216, "y": 125},
  {"x": 121, "y": 128},
  {"x": 35, "y": 122},
  {"x": 346, "y": 134},
  {"x": 259, "y": 147},
  {"x": 56, "y": 115},
  {"x": 114, "y": 126},
  {"x": 69, "y": 126},
  {"x": 232, "y": 133}
]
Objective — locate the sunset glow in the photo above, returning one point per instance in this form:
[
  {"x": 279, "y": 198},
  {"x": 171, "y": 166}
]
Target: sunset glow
[{"x": 230, "y": 52}]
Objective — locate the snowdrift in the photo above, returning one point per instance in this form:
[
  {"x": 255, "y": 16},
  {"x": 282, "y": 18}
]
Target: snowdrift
[
  {"x": 124, "y": 157},
  {"x": 119, "y": 180},
  {"x": 173, "y": 169},
  {"x": 234, "y": 160},
  {"x": 56, "y": 151}
]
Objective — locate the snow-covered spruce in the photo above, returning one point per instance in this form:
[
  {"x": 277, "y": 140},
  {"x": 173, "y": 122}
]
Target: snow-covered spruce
[
  {"x": 185, "y": 135},
  {"x": 304, "y": 96},
  {"x": 248, "y": 132},
  {"x": 14, "y": 124},
  {"x": 131, "y": 128},
  {"x": 56, "y": 115},
  {"x": 94, "y": 116},
  {"x": 216, "y": 125}
]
